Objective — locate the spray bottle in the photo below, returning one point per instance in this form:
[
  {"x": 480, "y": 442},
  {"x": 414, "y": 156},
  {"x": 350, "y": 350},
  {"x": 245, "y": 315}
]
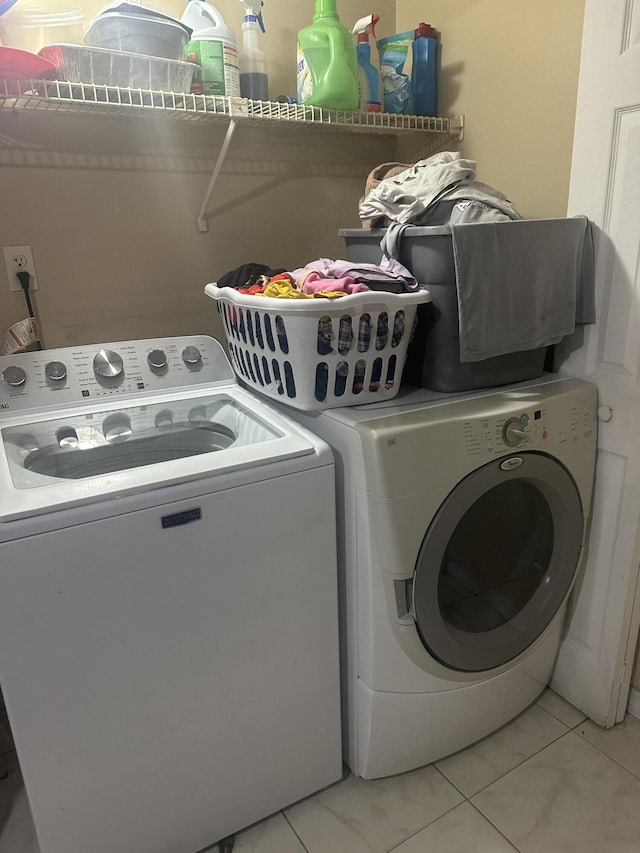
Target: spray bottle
[
  {"x": 254, "y": 82},
  {"x": 327, "y": 69},
  {"x": 368, "y": 77},
  {"x": 214, "y": 48}
]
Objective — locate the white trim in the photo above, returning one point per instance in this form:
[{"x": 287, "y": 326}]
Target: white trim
[{"x": 634, "y": 702}]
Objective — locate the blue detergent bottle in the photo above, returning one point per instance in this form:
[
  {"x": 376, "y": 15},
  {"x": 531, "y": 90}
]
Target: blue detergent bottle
[
  {"x": 369, "y": 81},
  {"x": 424, "y": 72}
]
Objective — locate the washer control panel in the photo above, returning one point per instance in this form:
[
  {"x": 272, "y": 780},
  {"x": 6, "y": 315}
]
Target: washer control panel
[{"x": 49, "y": 378}]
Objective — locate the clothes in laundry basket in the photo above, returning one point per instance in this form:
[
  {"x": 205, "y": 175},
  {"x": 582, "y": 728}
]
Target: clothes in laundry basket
[
  {"x": 314, "y": 282},
  {"x": 390, "y": 275},
  {"x": 247, "y": 275},
  {"x": 322, "y": 277}
]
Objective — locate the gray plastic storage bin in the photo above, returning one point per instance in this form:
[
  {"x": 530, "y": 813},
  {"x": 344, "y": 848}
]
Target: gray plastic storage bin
[{"x": 433, "y": 357}]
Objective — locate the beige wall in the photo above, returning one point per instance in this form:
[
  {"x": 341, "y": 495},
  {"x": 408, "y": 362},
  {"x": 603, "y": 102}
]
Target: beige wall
[
  {"x": 114, "y": 235},
  {"x": 109, "y": 204},
  {"x": 511, "y": 68}
]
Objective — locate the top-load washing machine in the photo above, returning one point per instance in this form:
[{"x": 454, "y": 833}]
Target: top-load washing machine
[
  {"x": 461, "y": 524},
  {"x": 168, "y": 597}
]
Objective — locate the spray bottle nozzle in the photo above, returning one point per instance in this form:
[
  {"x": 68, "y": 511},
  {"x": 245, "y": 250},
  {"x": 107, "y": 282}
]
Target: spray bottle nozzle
[
  {"x": 250, "y": 14},
  {"x": 366, "y": 26}
]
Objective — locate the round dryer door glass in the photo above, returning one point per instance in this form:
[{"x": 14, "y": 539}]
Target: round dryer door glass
[{"x": 497, "y": 562}]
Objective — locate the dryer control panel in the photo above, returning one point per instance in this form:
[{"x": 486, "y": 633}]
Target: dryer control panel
[
  {"x": 528, "y": 428},
  {"x": 88, "y": 373}
]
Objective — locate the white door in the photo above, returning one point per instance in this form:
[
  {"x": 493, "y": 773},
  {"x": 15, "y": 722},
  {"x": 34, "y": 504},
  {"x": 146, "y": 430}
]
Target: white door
[{"x": 596, "y": 660}]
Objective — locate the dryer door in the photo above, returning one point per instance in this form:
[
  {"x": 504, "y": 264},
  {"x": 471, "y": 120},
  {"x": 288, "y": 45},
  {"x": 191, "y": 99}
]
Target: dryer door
[{"x": 497, "y": 561}]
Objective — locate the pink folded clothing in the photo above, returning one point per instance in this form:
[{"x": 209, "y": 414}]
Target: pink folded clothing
[{"x": 315, "y": 281}]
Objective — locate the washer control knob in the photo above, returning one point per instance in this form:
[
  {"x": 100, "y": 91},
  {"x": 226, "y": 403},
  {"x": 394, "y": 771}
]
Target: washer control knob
[
  {"x": 55, "y": 371},
  {"x": 14, "y": 376},
  {"x": 157, "y": 360},
  {"x": 164, "y": 420},
  {"x": 512, "y": 432},
  {"x": 116, "y": 428},
  {"x": 108, "y": 364},
  {"x": 191, "y": 355}
]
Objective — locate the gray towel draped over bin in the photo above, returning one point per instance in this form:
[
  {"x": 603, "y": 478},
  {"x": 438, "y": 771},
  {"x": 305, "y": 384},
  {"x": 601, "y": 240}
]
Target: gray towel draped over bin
[{"x": 521, "y": 284}]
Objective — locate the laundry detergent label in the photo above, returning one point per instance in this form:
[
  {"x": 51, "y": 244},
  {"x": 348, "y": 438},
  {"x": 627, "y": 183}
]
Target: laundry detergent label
[
  {"x": 304, "y": 78},
  {"x": 219, "y": 65}
]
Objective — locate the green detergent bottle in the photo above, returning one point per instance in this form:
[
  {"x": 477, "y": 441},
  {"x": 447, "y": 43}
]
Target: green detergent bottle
[{"x": 327, "y": 63}]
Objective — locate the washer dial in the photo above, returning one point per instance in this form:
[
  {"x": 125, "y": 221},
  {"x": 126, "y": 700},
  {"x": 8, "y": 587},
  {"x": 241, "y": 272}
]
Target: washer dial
[
  {"x": 191, "y": 356},
  {"x": 14, "y": 376},
  {"x": 55, "y": 371},
  {"x": 107, "y": 364},
  {"x": 157, "y": 360}
]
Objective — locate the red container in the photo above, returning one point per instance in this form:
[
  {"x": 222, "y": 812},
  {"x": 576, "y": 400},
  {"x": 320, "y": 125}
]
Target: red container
[{"x": 19, "y": 67}]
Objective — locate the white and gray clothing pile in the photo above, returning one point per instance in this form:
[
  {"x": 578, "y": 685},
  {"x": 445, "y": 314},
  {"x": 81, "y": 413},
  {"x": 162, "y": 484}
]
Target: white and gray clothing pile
[
  {"x": 521, "y": 284},
  {"x": 426, "y": 193}
]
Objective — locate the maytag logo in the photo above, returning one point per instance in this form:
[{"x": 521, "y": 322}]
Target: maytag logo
[
  {"x": 180, "y": 518},
  {"x": 5, "y": 406}
]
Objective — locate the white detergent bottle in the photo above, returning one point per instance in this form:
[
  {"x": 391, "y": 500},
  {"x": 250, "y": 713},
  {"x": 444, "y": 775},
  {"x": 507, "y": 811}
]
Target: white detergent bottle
[{"x": 214, "y": 48}]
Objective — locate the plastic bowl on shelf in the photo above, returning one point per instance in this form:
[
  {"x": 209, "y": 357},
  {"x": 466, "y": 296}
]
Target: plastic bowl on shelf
[
  {"x": 19, "y": 67},
  {"x": 132, "y": 33}
]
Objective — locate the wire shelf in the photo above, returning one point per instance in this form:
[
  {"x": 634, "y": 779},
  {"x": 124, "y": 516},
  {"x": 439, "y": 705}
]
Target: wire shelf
[{"x": 114, "y": 100}]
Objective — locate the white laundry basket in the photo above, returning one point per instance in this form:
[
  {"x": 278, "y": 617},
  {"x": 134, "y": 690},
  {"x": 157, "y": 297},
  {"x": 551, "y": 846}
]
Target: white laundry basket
[{"x": 315, "y": 354}]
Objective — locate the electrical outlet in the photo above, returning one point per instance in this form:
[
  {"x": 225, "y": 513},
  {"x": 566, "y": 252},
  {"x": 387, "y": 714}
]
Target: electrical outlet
[{"x": 17, "y": 259}]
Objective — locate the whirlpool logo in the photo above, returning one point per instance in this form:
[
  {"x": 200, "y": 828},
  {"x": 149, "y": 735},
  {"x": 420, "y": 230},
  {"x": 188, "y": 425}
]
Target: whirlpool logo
[{"x": 180, "y": 518}]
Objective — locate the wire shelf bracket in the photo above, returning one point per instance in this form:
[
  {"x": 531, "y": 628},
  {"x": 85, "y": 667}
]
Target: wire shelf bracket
[{"x": 65, "y": 96}]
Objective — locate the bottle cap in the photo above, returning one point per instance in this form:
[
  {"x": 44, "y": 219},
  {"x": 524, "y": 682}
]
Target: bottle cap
[{"x": 426, "y": 30}]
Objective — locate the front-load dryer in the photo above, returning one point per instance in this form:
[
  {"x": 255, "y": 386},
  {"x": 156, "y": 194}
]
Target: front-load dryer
[{"x": 461, "y": 526}]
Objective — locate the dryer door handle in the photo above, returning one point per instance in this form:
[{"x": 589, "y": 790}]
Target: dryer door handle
[{"x": 404, "y": 601}]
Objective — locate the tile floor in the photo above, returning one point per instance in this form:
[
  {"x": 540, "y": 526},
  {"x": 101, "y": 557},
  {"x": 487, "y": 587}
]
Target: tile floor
[{"x": 548, "y": 782}]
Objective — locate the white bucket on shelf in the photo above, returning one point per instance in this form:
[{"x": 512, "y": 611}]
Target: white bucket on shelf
[{"x": 33, "y": 24}]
